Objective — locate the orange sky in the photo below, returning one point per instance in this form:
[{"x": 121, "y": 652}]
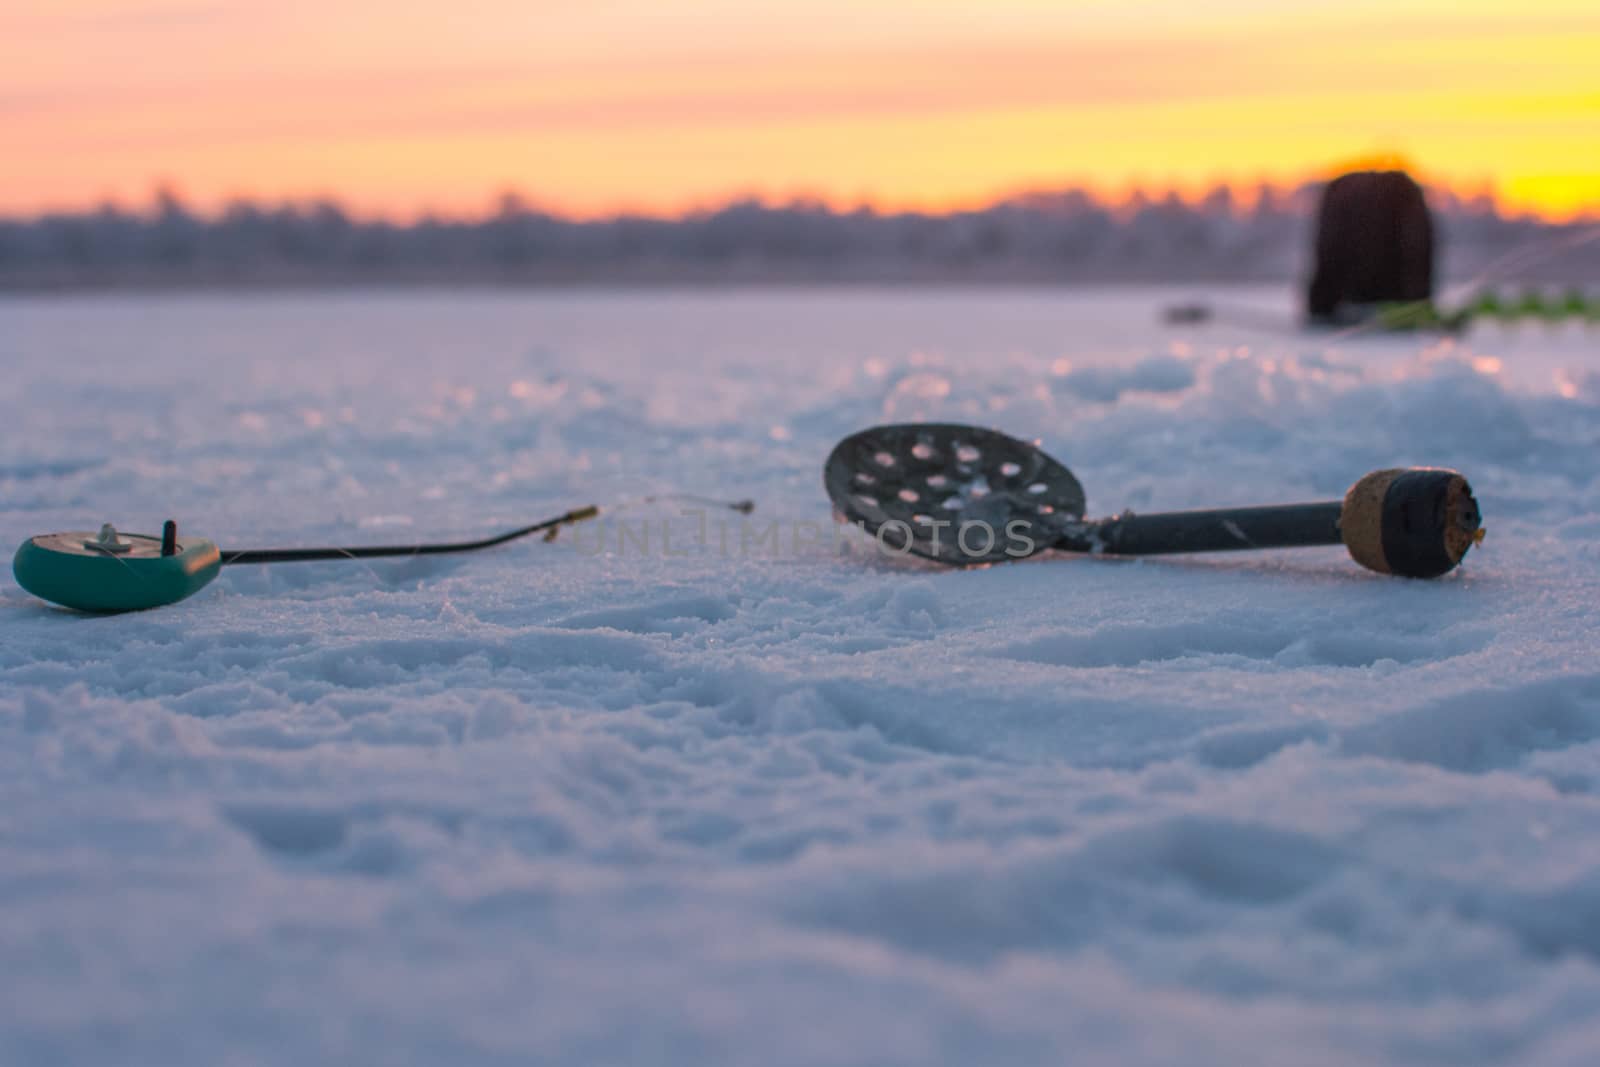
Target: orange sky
[{"x": 663, "y": 104}]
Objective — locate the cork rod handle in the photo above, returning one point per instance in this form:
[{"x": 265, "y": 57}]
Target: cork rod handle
[{"x": 1417, "y": 522}]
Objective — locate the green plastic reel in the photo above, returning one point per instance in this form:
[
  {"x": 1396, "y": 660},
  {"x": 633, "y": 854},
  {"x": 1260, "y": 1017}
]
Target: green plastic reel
[{"x": 108, "y": 571}]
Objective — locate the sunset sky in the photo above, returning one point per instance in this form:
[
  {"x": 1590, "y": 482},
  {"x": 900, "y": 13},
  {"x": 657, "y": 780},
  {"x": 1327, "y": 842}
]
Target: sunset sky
[{"x": 661, "y": 105}]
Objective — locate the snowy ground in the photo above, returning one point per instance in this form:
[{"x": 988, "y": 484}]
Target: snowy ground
[{"x": 590, "y": 803}]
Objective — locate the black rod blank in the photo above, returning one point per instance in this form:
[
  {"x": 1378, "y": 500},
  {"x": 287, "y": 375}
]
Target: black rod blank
[{"x": 307, "y": 555}]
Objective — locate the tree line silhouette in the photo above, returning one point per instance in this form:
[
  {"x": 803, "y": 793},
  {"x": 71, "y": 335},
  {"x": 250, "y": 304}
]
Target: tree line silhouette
[{"x": 1063, "y": 236}]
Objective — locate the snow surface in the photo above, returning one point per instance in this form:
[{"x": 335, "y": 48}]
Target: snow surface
[{"x": 593, "y": 803}]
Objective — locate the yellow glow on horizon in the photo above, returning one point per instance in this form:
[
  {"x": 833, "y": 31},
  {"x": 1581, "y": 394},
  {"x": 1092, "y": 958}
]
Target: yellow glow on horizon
[{"x": 637, "y": 105}]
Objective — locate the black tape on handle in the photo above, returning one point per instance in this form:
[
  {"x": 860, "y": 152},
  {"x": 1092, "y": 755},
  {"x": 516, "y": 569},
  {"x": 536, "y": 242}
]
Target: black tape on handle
[{"x": 1415, "y": 512}]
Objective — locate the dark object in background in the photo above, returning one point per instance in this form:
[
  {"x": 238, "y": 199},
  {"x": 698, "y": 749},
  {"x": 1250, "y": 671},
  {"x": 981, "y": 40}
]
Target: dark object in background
[{"x": 1374, "y": 246}]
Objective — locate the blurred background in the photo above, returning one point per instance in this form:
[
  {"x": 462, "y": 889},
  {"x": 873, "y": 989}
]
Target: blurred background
[{"x": 188, "y": 142}]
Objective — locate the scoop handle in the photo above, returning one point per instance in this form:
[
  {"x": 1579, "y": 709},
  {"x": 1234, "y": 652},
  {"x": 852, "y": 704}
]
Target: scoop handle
[
  {"x": 1210, "y": 530},
  {"x": 1416, "y": 522}
]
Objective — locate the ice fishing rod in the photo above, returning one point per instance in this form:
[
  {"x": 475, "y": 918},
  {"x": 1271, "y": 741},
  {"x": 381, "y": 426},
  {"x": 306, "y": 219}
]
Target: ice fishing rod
[
  {"x": 1426, "y": 316},
  {"x": 963, "y": 495},
  {"x": 111, "y": 571},
  {"x": 1415, "y": 316}
]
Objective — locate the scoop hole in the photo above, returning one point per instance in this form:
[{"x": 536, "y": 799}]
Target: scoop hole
[
  {"x": 910, "y": 496},
  {"x": 863, "y": 478},
  {"x": 937, "y": 481},
  {"x": 1010, "y": 470},
  {"x": 883, "y": 459},
  {"x": 953, "y": 503},
  {"x": 1037, "y": 487},
  {"x": 968, "y": 454},
  {"x": 922, "y": 450}
]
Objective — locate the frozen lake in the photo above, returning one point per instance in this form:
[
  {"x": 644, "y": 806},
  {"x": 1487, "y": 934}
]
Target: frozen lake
[{"x": 747, "y": 797}]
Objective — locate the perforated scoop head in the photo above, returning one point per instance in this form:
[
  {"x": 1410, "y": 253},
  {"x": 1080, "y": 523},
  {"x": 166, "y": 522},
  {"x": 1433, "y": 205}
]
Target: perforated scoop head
[{"x": 956, "y": 494}]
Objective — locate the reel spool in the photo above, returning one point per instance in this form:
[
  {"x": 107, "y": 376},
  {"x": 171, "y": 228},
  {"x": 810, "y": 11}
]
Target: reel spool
[{"x": 109, "y": 571}]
